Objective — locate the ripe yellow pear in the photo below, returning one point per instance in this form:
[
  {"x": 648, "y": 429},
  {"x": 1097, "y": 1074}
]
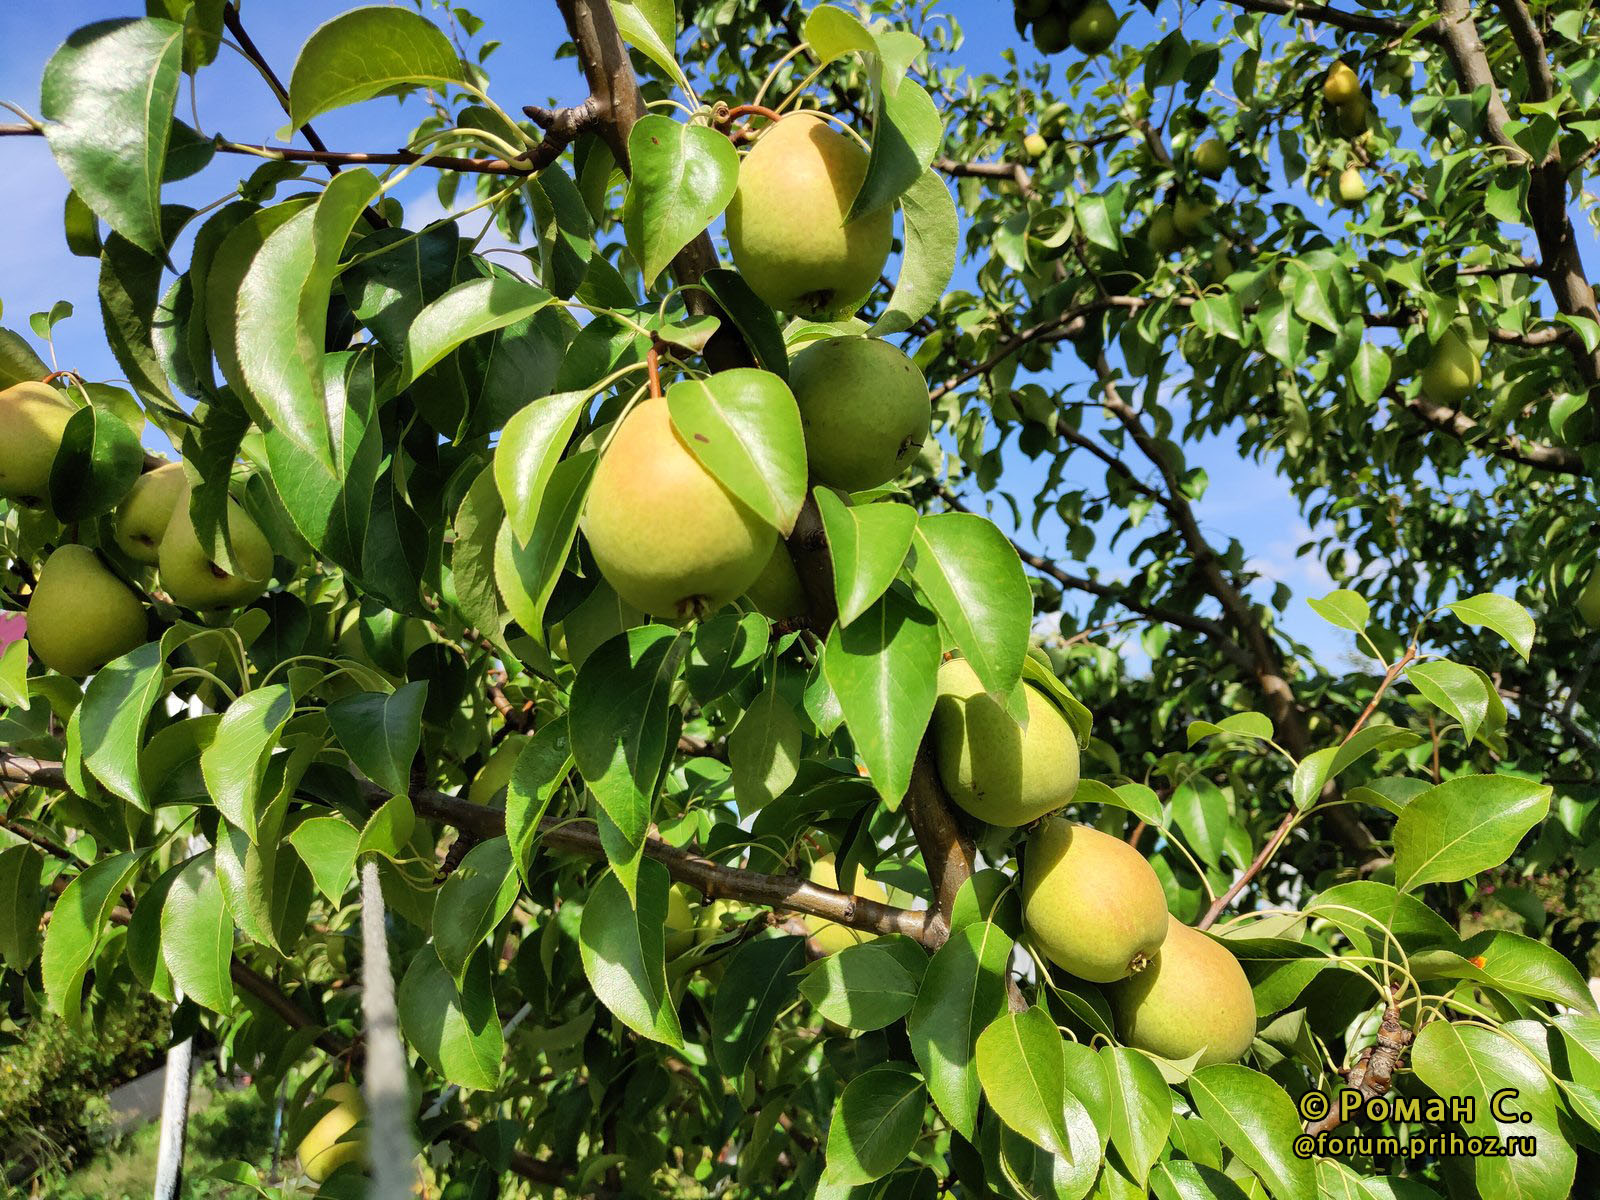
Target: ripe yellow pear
[
  {"x": 667, "y": 536},
  {"x": 1589, "y": 601},
  {"x": 80, "y": 615},
  {"x": 193, "y": 580},
  {"x": 1091, "y": 902},
  {"x": 1351, "y": 187},
  {"x": 143, "y": 518},
  {"x": 1210, "y": 158},
  {"x": 1341, "y": 85},
  {"x": 992, "y": 768},
  {"x": 776, "y": 592},
  {"x": 1452, "y": 370},
  {"x": 1035, "y": 146},
  {"x": 1094, "y": 28},
  {"x": 489, "y": 784},
  {"x": 32, "y": 418},
  {"x": 1192, "y": 998},
  {"x": 830, "y": 937},
  {"x": 786, "y": 224},
  {"x": 335, "y": 1139},
  {"x": 864, "y": 407}
]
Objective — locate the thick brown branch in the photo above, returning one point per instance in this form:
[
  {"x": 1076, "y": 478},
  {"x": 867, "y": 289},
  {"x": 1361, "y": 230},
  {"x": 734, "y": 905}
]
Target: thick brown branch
[
  {"x": 1322, "y": 14},
  {"x": 1458, "y": 425},
  {"x": 1373, "y": 1073}
]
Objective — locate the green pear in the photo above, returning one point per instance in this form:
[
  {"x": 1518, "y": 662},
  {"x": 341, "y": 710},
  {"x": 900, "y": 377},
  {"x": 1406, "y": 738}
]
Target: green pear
[
  {"x": 1341, "y": 85},
  {"x": 1162, "y": 232},
  {"x": 1091, "y": 902},
  {"x": 1589, "y": 601},
  {"x": 1189, "y": 214},
  {"x": 828, "y": 936},
  {"x": 1053, "y": 121},
  {"x": 776, "y": 593},
  {"x": 1035, "y": 146},
  {"x": 1193, "y": 998},
  {"x": 143, "y": 518},
  {"x": 667, "y": 536},
  {"x": 680, "y": 925},
  {"x": 1210, "y": 158},
  {"x": 1032, "y": 10},
  {"x": 995, "y": 770},
  {"x": 1094, "y": 28},
  {"x": 489, "y": 784},
  {"x": 786, "y": 224},
  {"x": 336, "y": 1138},
  {"x": 1351, "y": 116},
  {"x": 1351, "y": 187},
  {"x": 1452, "y": 370},
  {"x": 33, "y": 417},
  {"x": 865, "y": 409},
  {"x": 1052, "y": 33},
  {"x": 80, "y": 615},
  {"x": 193, "y": 580}
]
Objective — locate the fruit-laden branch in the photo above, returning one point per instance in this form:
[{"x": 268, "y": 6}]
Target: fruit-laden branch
[
  {"x": 712, "y": 879},
  {"x": 1374, "y": 1070},
  {"x": 1458, "y": 425}
]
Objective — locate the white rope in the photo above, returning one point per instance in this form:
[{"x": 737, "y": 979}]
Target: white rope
[
  {"x": 174, "y": 1120},
  {"x": 391, "y": 1146}
]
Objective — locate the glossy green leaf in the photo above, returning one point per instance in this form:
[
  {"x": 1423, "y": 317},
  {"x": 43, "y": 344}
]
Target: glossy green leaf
[
  {"x": 757, "y": 985},
  {"x": 365, "y": 52},
  {"x": 527, "y": 572},
  {"x": 327, "y": 845},
  {"x": 197, "y": 935},
  {"x": 78, "y": 921},
  {"x": 1464, "y": 825},
  {"x": 963, "y": 991},
  {"x": 1343, "y": 608},
  {"x": 381, "y": 731},
  {"x": 1258, "y": 1122},
  {"x": 530, "y": 446},
  {"x": 906, "y": 134},
  {"x": 471, "y": 902},
  {"x": 116, "y": 705},
  {"x": 876, "y": 1121},
  {"x": 97, "y": 463},
  {"x": 972, "y": 577},
  {"x": 1458, "y": 690},
  {"x": 456, "y": 1030},
  {"x": 1501, "y": 614},
  {"x": 744, "y": 427},
  {"x": 540, "y": 771},
  {"x": 1019, "y": 1063},
  {"x": 624, "y": 952},
  {"x": 867, "y": 544},
  {"x": 235, "y": 762},
  {"x": 1141, "y": 1108},
  {"x": 21, "y": 905},
  {"x": 764, "y": 750},
  {"x": 868, "y": 985},
  {"x": 466, "y": 311},
  {"x": 683, "y": 176},
  {"x": 932, "y": 233}
]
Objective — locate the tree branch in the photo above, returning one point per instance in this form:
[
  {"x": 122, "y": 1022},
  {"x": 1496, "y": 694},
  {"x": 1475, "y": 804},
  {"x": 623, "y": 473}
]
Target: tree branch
[
  {"x": 1458, "y": 425},
  {"x": 1324, "y": 15}
]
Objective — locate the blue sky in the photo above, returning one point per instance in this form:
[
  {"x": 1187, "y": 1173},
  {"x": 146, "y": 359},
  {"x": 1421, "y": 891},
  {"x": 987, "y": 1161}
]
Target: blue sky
[{"x": 1247, "y": 500}]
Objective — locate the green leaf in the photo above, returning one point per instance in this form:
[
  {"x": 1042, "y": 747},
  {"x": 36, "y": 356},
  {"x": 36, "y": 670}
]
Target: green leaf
[
  {"x": 883, "y": 668},
  {"x": 624, "y": 952},
  {"x": 1141, "y": 1108},
  {"x": 21, "y": 905},
  {"x": 281, "y": 314},
  {"x": 18, "y": 362},
  {"x": 197, "y": 935},
  {"x": 1463, "y": 826},
  {"x": 77, "y": 923},
  {"x": 1370, "y": 372},
  {"x": 530, "y": 446},
  {"x": 107, "y": 99},
  {"x": 111, "y": 722},
  {"x": 388, "y": 830},
  {"x": 868, "y": 985},
  {"x": 972, "y": 577},
  {"x": 1458, "y": 690},
  {"x": 1257, "y": 1121},
  {"x": 764, "y": 750},
  {"x": 327, "y": 845},
  {"x": 744, "y": 427},
  {"x": 963, "y": 991},
  {"x": 1019, "y": 1063},
  {"x": 539, "y": 773},
  {"x": 14, "y": 671},
  {"x": 364, "y": 53},
  {"x": 235, "y": 763},
  {"x": 651, "y": 27},
  {"x": 1465, "y": 1062},
  {"x": 906, "y": 134},
  {"x": 472, "y": 901},
  {"x": 467, "y": 310},
  {"x": 619, "y": 722},
  {"x": 751, "y": 316},
  {"x": 932, "y": 233},
  {"x": 683, "y": 177},
  {"x": 456, "y": 1030},
  {"x": 1512, "y": 963},
  {"x": 1199, "y": 808},
  {"x": 833, "y": 32},
  {"x": 757, "y": 985},
  {"x": 875, "y": 1124},
  {"x": 1501, "y": 614},
  {"x": 95, "y": 467},
  {"x": 527, "y": 573},
  {"x": 1343, "y": 608},
  {"x": 129, "y": 290},
  {"x": 1134, "y": 797},
  {"x": 477, "y": 525},
  {"x": 381, "y": 731},
  {"x": 1246, "y": 724},
  {"x": 868, "y": 545}
]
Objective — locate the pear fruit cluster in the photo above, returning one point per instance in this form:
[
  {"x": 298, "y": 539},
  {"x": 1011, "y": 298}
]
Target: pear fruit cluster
[
  {"x": 864, "y": 408},
  {"x": 1341, "y": 88},
  {"x": 1088, "y": 26}
]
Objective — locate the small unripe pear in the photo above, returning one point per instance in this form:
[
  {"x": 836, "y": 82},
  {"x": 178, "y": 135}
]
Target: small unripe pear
[
  {"x": 489, "y": 784},
  {"x": 143, "y": 518},
  {"x": 1091, "y": 902},
  {"x": 1351, "y": 187},
  {"x": 1342, "y": 85},
  {"x": 992, "y": 768},
  {"x": 334, "y": 1140},
  {"x": 1210, "y": 158},
  {"x": 33, "y": 417},
  {"x": 1162, "y": 232},
  {"x": 193, "y": 580},
  {"x": 1589, "y": 601},
  {"x": 1192, "y": 998},
  {"x": 667, "y": 536},
  {"x": 1452, "y": 370},
  {"x": 1094, "y": 28},
  {"x": 80, "y": 615},
  {"x": 1352, "y": 116},
  {"x": 1189, "y": 214},
  {"x": 1035, "y": 146},
  {"x": 776, "y": 593},
  {"x": 864, "y": 407},
  {"x": 786, "y": 224},
  {"x": 830, "y": 937},
  {"x": 680, "y": 924},
  {"x": 1052, "y": 33}
]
